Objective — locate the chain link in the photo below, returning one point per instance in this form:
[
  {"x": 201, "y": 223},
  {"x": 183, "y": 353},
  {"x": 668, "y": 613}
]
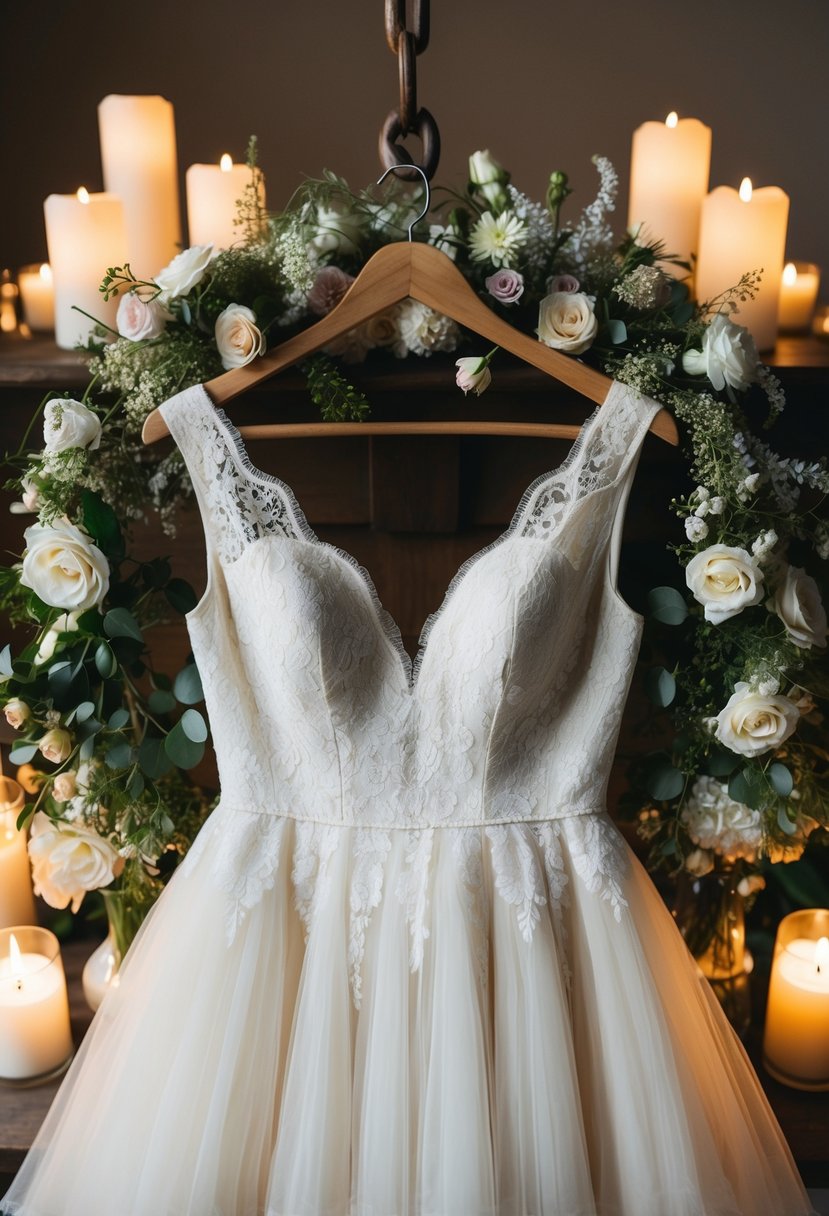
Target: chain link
[
  {"x": 396, "y": 23},
  {"x": 407, "y": 39}
]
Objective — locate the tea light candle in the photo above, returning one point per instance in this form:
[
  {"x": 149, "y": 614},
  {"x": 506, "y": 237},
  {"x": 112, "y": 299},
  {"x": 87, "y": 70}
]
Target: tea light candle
[
  {"x": 138, "y": 155},
  {"x": 669, "y": 167},
  {"x": 796, "y": 1040},
  {"x": 17, "y": 901},
  {"x": 35, "y": 1035},
  {"x": 744, "y": 231},
  {"x": 212, "y": 194},
  {"x": 37, "y": 293},
  {"x": 85, "y": 234},
  {"x": 798, "y": 295}
]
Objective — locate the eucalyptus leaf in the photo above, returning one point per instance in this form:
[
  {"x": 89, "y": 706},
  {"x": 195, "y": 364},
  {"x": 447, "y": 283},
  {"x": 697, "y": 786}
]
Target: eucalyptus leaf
[
  {"x": 617, "y": 331},
  {"x": 194, "y": 726},
  {"x": 682, "y": 314},
  {"x": 101, "y": 522},
  {"x": 135, "y": 785},
  {"x": 660, "y": 686},
  {"x": 184, "y": 752},
  {"x": 160, "y": 701},
  {"x": 87, "y": 748},
  {"x": 85, "y": 710},
  {"x": 750, "y": 787},
  {"x": 180, "y": 595},
  {"x": 6, "y": 668},
  {"x": 22, "y": 753},
  {"x": 785, "y": 824},
  {"x": 187, "y": 686},
  {"x": 153, "y": 758},
  {"x": 664, "y": 782},
  {"x": 781, "y": 779},
  {"x": 119, "y": 755},
  {"x": 667, "y": 605},
  {"x": 720, "y": 762},
  {"x": 105, "y": 661},
  {"x": 120, "y": 623},
  {"x": 118, "y": 719}
]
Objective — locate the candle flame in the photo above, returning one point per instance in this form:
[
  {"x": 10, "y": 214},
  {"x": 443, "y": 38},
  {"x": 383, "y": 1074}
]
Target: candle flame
[
  {"x": 746, "y": 190},
  {"x": 46, "y": 272},
  {"x": 672, "y": 119},
  {"x": 821, "y": 955},
  {"x": 790, "y": 274},
  {"x": 226, "y": 163},
  {"x": 83, "y": 196}
]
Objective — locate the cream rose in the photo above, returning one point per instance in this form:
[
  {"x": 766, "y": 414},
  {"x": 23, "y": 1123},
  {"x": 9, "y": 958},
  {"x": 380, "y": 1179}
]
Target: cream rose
[
  {"x": 64, "y": 567},
  {"x": 728, "y": 356},
  {"x": 69, "y": 861},
  {"x": 725, "y": 581},
  {"x": 185, "y": 272},
  {"x": 382, "y": 330},
  {"x": 566, "y": 321},
  {"x": 238, "y": 339},
  {"x": 55, "y": 745},
  {"x": 751, "y": 723},
  {"x": 70, "y": 424},
  {"x": 65, "y": 786},
  {"x": 798, "y": 604},
  {"x": 17, "y": 713},
  {"x": 139, "y": 319}
]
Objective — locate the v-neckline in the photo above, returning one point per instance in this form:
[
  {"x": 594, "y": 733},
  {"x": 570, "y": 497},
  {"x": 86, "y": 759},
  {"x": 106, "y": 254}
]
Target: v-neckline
[{"x": 410, "y": 666}]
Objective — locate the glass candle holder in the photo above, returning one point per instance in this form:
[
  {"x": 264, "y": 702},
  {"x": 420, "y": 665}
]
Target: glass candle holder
[
  {"x": 37, "y": 295},
  {"x": 796, "y": 1039},
  {"x": 17, "y": 903},
  {"x": 798, "y": 296},
  {"x": 35, "y": 1035}
]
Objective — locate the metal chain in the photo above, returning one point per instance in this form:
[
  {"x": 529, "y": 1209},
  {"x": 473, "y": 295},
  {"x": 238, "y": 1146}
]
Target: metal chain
[{"x": 407, "y": 41}]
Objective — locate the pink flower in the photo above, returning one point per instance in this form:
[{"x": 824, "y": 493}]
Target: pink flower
[
  {"x": 562, "y": 282},
  {"x": 505, "y": 286},
  {"x": 330, "y": 286},
  {"x": 473, "y": 374}
]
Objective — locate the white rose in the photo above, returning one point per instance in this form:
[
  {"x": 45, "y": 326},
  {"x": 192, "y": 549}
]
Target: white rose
[
  {"x": 725, "y": 581},
  {"x": 69, "y": 861},
  {"x": 751, "y": 724},
  {"x": 338, "y": 231},
  {"x": 139, "y": 319},
  {"x": 185, "y": 272},
  {"x": 55, "y": 745},
  {"x": 382, "y": 329},
  {"x": 728, "y": 355},
  {"x": 473, "y": 375},
  {"x": 566, "y": 321},
  {"x": 65, "y": 786},
  {"x": 798, "y": 604},
  {"x": 17, "y": 713},
  {"x": 67, "y": 622},
  {"x": 490, "y": 178},
  {"x": 70, "y": 424},
  {"x": 64, "y": 567},
  {"x": 238, "y": 339}
]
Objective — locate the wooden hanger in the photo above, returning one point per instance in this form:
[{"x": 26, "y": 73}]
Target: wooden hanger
[{"x": 399, "y": 271}]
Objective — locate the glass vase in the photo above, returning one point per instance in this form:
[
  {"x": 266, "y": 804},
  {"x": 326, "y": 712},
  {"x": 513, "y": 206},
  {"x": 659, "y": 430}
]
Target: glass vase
[
  {"x": 710, "y": 914},
  {"x": 100, "y": 972}
]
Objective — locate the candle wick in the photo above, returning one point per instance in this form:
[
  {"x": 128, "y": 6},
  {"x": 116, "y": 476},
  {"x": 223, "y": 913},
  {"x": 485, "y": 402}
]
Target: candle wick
[{"x": 19, "y": 985}]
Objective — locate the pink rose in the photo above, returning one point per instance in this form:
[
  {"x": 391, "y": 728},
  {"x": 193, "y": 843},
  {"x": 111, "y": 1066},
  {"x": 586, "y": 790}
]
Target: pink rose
[
  {"x": 505, "y": 286},
  {"x": 330, "y": 286},
  {"x": 473, "y": 374},
  {"x": 139, "y": 319},
  {"x": 562, "y": 282}
]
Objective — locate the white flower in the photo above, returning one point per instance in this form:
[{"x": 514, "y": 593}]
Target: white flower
[
  {"x": 55, "y": 745},
  {"x": 338, "y": 230},
  {"x": 695, "y": 528},
  {"x": 497, "y": 238},
  {"x": 185, "y": 272},
  {"x": 699, "y": 863},
  {"x": 725, "y": 581},
  {"x": 67, "y": 622},
  {"x": 421, "y": 330},
  {"x": 702, "y": 510},
  {"x": 473, "y": 375},
  {"x": 139, "y": 319},
  {"x": 351, "y": 347},
  {"x": 566, "y": 321},
  {"x": 798, "y": 604},
  {"x": 763, "y": 544},
  {"x": 490, "y": 178},
  {"x": 381, "y": 330},
  {"x": 715, "y": 821},
  {"x": 751, "y": 724},
  {"x": 65, "y": 786},
  {"x": 716, "y": 505},
  {"x": 728, "y": 356},
  {"x": 64, "y": 567},
  {"x": 30, "y": 500},
  {"x": 17, "y": 713},
  {"x": 769, "y": 688},
  {"x": 237, "y": 337},
  {"x": 70, "y": 424},
  {"x": 69, "y": 861},
  {"x": 445, "y": 239},
  {"x": 328, "y": 289}
]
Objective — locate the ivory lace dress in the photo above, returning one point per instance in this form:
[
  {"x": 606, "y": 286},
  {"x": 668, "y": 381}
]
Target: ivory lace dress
[{"x": 409, "y": 966}]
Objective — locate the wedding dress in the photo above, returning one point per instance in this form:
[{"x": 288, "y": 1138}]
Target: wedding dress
[{"x": 409, "y": 966}]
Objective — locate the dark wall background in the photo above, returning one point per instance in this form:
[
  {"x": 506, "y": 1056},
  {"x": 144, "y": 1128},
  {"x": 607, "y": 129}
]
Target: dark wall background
[{"x": 544, "y": 85}]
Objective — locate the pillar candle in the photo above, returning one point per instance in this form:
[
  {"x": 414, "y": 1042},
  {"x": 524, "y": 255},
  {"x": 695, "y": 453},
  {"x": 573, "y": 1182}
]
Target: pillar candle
[
  {"x": 669, "y": 167},
  {"x": 798, "y": 295},
  {"x": 212, "y": 194},
  {"x": 138, "y": 155},
  {"x": 85, "y": 234},
  {"x": 740, "y": 232},
  {"x": 35, "y": 1035},
  {"x": 796, "y": 1039},
  {"x": 17, "y": 903},
  {"x": 37, "y": 293}
]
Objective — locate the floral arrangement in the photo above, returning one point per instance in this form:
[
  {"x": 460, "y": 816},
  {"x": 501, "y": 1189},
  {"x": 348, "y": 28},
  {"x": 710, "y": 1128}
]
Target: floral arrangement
[{"x": 106, "y": 741}]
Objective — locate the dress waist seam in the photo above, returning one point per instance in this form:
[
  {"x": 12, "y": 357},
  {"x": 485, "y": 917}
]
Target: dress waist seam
[{"x": 226, "y": 805}]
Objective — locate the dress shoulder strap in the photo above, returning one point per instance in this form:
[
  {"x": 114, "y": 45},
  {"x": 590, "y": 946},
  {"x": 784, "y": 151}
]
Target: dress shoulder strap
[{"x": 239, "y": 505}]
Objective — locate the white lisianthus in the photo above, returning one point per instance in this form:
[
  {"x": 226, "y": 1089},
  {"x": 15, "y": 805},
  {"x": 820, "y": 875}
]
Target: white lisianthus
[
  {"x": 69, "y": 861},
  {"x": 566, "y": 321},
  {"x": 695, "y": 528},
  {"x": 65, "y": 786},
  {"x": 798, "y": 604},
  {"x": 489, "y": 178},
  {"x": 473, "y": 375},
  {"x": 237, "y": 337},
  {"x": 55, "y": 745},
  {"x": 139, "y": 319},
  {"x": 497, "y": 239},
  {"x": 70, "y": 424},
  {"x": 338, "y": 230},
  {"x": 64, "y": 567},
  {"x": 724, "y": 580},
  {"x": 728, "y": 356},
  {"x": 716, "y": 822},
  {"x": 751, "y": 724},
  {"x": 17, "y": 713},
  {"x": 67, "y": 622},
  {"x": 185, "y": 272}
]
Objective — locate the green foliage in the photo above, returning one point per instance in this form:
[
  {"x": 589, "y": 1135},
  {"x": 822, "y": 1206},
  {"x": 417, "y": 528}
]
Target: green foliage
[{"x": 337, "y": 399}]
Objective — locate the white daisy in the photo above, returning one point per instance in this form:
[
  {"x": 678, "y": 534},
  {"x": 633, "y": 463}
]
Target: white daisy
[{"x": 497, "y": 238}]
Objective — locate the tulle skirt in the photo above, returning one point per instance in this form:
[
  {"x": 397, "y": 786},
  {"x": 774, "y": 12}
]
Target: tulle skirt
[{"x": 581, "y": 1069}]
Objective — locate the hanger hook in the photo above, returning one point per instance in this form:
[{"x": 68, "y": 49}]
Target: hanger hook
[{"x": 426, "y": 185}]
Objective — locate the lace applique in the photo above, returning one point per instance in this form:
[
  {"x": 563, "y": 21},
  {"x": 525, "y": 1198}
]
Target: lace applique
[
  {"x": 371, "y": 847},
  {"x": 413, "y": 890},
  {"x": 314, "y": 845},
  {"x": 599, "y": 857},
  {"x": 558, "y": 882},
  {"x": 518, "y": 877},
  {"x": 467, "y": 851}
]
